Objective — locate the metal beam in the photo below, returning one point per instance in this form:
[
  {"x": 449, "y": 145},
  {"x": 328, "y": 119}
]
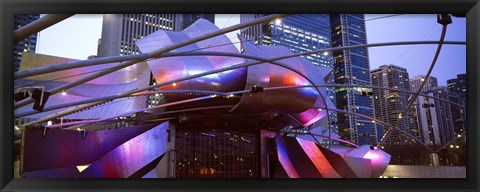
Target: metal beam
[
  {"x": 38, "y": 25},
  {"x": 113, "y": 59}
]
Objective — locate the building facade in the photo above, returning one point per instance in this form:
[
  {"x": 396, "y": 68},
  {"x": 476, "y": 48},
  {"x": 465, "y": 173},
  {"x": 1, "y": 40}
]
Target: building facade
[
  {"x": 299, "y": 33},
  {"x": 352, "y": 67},
  {"x": 451, "y": 122},
  {"x": 427, "y": 120},
  {"x": 458, "y": 85},
  {"x": 389, "y": 105},
  {"x": 121, "y": 31},
  {"x": 189, "y": 19},
  {"x": 417, "y": 81},
  {"x": 28, "y": 44}
]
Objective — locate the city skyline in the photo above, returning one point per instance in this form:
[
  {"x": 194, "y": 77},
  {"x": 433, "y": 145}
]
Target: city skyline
[
  {"x": 415, "y": 58},
  {"x": 265, "y": 130}
]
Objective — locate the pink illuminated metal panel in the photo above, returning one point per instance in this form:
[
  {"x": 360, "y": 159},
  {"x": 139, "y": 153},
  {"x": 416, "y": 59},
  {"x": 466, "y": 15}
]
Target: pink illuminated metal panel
[
  {"x": 318, "y": 159},
  {"x": 285, "y": 159}
]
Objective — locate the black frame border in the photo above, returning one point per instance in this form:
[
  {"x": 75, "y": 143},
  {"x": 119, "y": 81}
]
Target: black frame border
[{"x": 9, "y": 7}]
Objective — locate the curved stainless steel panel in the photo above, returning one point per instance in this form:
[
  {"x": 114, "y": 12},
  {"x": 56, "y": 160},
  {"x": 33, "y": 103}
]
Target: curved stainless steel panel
[
  {"x": 268, "y": 75},
  {"x": 165, "y": 69},
  {"x": 123, "y": 80}
]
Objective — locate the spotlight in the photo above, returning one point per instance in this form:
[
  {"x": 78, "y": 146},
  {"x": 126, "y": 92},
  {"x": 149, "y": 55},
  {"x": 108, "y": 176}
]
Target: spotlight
[
  {"x": 256, "y": 89},
  {"x": 40, "y": 98},
  {"x": 21, "y": 95},
  {"x": 444, "y": 19}
]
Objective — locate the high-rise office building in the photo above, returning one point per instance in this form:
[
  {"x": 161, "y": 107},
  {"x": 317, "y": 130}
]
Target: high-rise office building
[
  {"x": 352, "y": 67},
  {"x": 424, "y": 110},
  {"x": 417, "y": 81},
  {"x": 121, "y": 31},
  {"x": 428, "y": 129},
  {"x": 450, "y": 117},
  {"x": 389, "y": 105},
  {"x": 438, "y": 121},
  {"x": 28, "y": 44},
  {"x": 299, "y": 33},
  {"x": 458, "y": 85}
]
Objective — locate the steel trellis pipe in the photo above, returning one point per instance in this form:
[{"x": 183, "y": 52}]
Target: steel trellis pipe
[
  {"x": 112, "y": 59},
  {"x": 412, "y": 99},
  {"x": 152, "y": 54},
  {"x": 261, "y": 60},
  {"x": 38, "y": 25}
]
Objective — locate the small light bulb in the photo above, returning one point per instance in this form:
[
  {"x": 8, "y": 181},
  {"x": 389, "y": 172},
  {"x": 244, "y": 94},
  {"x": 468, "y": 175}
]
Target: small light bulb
[
  {"x": 278, "y": 21},
  {"x": 64, "y": 93},
  {"x": 174, "y": 84}
]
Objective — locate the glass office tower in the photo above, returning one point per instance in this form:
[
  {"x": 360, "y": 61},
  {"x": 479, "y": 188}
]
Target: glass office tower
[
  {"x": 352, "y": 67},
  {"x": 25, "y": 45}
]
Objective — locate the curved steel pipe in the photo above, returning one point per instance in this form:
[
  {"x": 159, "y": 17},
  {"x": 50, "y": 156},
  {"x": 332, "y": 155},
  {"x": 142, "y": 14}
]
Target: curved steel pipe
[
  {"x": 261, "y": 60},
  {"x": 323, "y": 136},
  {"x": 162, "y": 113},
  {"x": 385, "y": 124},
  {"x": 155, "y": 53},
  {"x": 113, "y": 59},
  {"x": 112, "y": 97},
  {"x": 412, "y": 99},
  {"x": 38, "y": 25}
]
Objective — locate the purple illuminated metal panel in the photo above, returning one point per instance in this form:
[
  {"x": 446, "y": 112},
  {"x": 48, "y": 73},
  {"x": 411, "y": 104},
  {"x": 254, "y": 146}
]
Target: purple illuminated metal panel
[
  {"x": 285, "y": 159},
  {"x": 165, "y": 69},
  {"x": 62, "y": 148},
  {"x": 131, "y": 156},
  {"x": 65, "y": 172}
]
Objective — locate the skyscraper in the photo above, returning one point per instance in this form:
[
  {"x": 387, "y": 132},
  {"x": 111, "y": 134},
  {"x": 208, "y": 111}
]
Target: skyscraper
[
  {"x": 121, "y": 31},
  {"x": 26, "y": 45},
  {"x": 352, "y": 67},
  {"x": 450, "y": 117},
  {"x": 425, "y": 112},
  {"x": 458, "y": 85},
  {"x": 299, "y": 33},
  {"x": 390, "y": 104},
  {"x": 428, "y": 128},
  {"x": 417, "y": 81}
]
